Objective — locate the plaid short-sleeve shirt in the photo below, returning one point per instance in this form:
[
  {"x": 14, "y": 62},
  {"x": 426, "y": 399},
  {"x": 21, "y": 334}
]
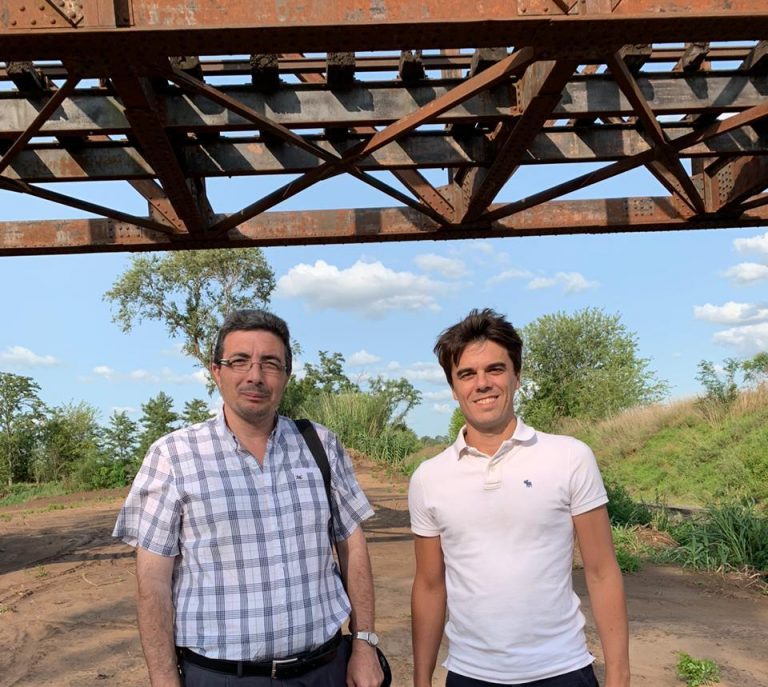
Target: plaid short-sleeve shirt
[{"x": 254, "y": 576}]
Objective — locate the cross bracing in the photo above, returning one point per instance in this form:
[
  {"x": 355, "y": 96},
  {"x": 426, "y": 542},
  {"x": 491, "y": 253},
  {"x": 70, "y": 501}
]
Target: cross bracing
[{"x": 438, "y": 106}]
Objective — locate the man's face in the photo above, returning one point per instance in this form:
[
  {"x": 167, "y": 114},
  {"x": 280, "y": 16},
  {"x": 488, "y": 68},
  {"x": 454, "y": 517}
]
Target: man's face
[
  {"x": 253, "y": 395},
  {"x": 484, "y": 383}
]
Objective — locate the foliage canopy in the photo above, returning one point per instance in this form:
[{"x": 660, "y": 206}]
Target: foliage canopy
[
  {"x": 584, "y": 365},
  {"x": 191, "y": 292}
]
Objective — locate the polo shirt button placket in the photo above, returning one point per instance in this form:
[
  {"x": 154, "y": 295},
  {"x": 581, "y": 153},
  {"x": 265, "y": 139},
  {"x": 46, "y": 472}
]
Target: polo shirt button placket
[{"x": 493, "y": 475}]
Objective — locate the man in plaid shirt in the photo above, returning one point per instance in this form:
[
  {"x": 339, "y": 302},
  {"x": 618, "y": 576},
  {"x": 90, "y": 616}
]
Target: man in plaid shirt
[{"x": 236, "y": 579}]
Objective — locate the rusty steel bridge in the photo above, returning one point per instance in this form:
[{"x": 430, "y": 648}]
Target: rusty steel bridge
[{"x": 436, "y": 104}]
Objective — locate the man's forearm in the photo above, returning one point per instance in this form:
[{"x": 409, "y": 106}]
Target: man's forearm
[
  {"x": 155, "y": 615},
  {"x": 427, "y": 625},
  {"x": 356, "y": 568},
  {"x": 610, "y": 613}
]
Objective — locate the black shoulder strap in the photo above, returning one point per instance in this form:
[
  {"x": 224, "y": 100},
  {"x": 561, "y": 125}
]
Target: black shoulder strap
[{"x": 309, "y": 433}]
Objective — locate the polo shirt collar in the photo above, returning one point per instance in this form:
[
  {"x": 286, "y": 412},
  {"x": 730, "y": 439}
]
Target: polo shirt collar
[{"x": 523, "y": 433}]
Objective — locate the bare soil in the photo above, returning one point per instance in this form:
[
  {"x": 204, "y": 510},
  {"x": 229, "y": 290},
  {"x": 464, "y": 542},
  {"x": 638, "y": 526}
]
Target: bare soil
[{"x": 67, "y": 590}]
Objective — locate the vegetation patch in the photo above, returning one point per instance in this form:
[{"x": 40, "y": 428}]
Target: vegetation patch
[{"x": 696, "y": 672}]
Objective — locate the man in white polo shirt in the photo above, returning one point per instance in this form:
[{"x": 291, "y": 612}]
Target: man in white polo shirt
[{"x": 494, "y": 517}]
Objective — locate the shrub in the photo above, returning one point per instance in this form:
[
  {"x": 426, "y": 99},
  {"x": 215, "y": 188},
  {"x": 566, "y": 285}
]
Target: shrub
[{"x": 622, "y": 510}]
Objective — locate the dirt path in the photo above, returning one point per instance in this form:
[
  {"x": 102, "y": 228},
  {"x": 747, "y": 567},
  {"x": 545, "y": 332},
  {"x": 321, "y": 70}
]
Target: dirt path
[{"x": 67, "y": 609}]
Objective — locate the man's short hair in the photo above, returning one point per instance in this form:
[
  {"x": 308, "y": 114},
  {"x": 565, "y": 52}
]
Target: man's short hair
[
  {"x": 479, "y": 325},
  {"x": 254, "y": 320}
]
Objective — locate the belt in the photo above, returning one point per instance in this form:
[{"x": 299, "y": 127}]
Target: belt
[{"x": 279, "y": 668}]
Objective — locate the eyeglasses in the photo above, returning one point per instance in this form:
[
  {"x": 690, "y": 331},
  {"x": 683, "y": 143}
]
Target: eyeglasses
[{"x": 267, "y": 367}]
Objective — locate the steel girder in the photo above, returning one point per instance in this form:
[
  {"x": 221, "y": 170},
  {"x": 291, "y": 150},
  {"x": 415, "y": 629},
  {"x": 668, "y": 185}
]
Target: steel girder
[{"x": 165, "y": 95}]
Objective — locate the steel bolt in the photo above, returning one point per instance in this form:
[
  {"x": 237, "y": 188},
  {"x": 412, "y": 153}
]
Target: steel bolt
[
  {"x": 34, "y": 22},
  {"x": 42, "y": 8},
  {"x": 13, "y": 22},
  {"x": 53, "y": 21},
  {"x": 22, "y": 8}
]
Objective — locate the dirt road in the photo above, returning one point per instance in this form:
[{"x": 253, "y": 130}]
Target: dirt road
[{"x": 67, "y": 607}]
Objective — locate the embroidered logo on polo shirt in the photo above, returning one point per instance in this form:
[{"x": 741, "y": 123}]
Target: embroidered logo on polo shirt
[{"x": 528, "y": 483}]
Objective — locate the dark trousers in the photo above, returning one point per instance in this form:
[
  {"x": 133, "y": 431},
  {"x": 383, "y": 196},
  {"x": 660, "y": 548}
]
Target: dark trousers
[
  {"x": 333, "y": 674},
  {"x": 585, "y": 677}
]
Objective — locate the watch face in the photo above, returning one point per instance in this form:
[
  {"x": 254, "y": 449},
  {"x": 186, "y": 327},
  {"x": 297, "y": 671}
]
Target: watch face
[{"x": 371, "y": 637}]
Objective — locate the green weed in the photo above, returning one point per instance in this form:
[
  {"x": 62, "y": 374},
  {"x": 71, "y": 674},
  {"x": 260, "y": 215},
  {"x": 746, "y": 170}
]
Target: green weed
[
  {"x": 696, "y": 672},
  {"x": 729, "y": 536}
]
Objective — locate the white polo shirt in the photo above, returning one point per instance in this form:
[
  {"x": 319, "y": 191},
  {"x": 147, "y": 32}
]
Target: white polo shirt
[{"x": 506, "y": 532}]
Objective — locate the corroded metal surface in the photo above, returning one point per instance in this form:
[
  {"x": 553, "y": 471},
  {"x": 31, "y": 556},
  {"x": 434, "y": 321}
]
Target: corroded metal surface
[{"x": 164, "y": 95}]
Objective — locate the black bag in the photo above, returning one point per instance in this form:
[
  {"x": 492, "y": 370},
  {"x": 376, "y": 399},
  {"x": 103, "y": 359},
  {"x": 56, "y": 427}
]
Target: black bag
[{"x": 307, "y": 430}]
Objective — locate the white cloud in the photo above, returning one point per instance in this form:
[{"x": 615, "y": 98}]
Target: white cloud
[
  {"x": 447, "y": 267},
  {"x": 758, "y": 244},
  {"x": 140, "y": 375},
  {"x": 443, "y": 408},
  {"x": 442, "y": 395},
  {"x": 368, "y": 288},
  {"x": 730, "y": 313},
  {"x": 747, "y": 272},
  {"x": 425, "y": 372},
  {"x": 166, "y": 374},
  {"x": 506, "y": 275},
  {"x": 570, "y": 282},
  {"x": 18, "y": 355},
  {"x": 574, "y": 282},
  {"x": 393, "y": 365},
  {"x": 542, "y": 283},
  {"x": 750, "y": 338},
  {"x": 361, "y": 358}
]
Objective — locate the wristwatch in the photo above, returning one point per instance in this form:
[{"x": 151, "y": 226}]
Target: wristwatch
[{"x": 370, "y": 637}]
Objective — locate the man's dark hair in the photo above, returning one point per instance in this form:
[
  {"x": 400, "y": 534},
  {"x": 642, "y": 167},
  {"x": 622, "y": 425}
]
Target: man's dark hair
[
  {"x": 254, "y": 320},
  {"x": 479, "y": 325}
]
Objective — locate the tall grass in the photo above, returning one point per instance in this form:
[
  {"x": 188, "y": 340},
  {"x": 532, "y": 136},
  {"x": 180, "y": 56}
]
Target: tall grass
[
  {"x": 362, "y": 421},
  {"x": 730, "y": 536}
]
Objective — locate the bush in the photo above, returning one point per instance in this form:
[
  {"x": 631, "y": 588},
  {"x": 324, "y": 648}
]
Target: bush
[
  {"x": 457, "y": 422},
  {"x": 622, "y": 510}
]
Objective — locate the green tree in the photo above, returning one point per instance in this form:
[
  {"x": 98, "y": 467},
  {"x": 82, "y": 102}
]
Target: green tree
[
  {"x": 398, "y": 394},
  {"x": 157, "y": 419},
  {"x": 191, "y": 292},
  {"x": 454, "y": 426},
  {"x": 756, "y": 369},
  {"x": 70, "y": 434},
  {"x": 121, "y": 442},
  {"x": 326, "y": 377},
  {"x": 584, "y": 365},
  {"x": 720, "y": 387},
  {"x": 21, "y": 414},
  {"x": 195, "y": 411}
]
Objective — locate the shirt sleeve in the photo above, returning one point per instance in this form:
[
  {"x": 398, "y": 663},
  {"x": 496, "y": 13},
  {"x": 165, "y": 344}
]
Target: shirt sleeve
[
  {"x": 422, "y": 521},
  {"x": 587, "y": 489},
  {"x": 151, "y": 515},
  {"x": 350, "y": 505}
]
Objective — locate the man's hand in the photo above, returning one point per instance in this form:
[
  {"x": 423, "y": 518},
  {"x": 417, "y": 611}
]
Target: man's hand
[{"x": 363, "y": 669}]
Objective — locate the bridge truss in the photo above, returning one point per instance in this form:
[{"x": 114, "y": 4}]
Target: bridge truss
[{"x": 436, "y": 104}]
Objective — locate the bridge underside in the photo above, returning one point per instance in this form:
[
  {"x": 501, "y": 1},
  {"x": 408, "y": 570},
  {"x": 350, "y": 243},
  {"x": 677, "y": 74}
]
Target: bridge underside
[{"x": 440, "y": 106}]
